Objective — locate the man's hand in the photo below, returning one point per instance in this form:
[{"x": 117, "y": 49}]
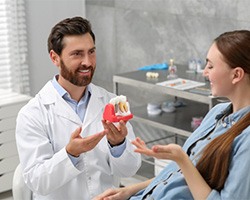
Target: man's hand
[
  {"x": 115, "y": 135},
  {"x": 78, "y": 144}
]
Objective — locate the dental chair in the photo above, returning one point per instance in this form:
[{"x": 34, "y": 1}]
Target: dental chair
[{"x": 20, "y": 190}]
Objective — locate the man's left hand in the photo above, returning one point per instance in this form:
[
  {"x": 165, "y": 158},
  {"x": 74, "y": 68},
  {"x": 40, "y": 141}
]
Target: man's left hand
[{"x": 116, "y": 134}]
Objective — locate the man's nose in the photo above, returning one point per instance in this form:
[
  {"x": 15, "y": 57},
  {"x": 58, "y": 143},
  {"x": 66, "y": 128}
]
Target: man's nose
[{"x": 86, "y": 60}]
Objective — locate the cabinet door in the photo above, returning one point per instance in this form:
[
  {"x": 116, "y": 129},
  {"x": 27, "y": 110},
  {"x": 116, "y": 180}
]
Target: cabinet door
[
  {"x": 7, "y": 124},
  {"x": 8, "y": 164},
  {"x": 7, "y": 136},
  {"x": 8, "y": 149},
  {"x": 10, "y": 110},
  {"x": 6, "y": 181}
]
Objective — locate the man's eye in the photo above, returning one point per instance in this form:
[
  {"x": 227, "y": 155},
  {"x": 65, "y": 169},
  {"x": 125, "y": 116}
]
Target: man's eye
[{"x": 92, "y": 51}]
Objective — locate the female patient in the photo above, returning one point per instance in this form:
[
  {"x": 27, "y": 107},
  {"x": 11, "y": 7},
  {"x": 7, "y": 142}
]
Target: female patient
[{"x": 215, "y": 160}]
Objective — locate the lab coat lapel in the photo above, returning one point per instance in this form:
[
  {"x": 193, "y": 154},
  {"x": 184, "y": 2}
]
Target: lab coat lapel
[
  {"x": 95, "y": 106},
  {"x": 51, "y": 97},
  {"x": 63, "y": 109}
]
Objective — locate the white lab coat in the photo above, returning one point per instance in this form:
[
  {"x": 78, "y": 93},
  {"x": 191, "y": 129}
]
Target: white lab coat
[{"x": 43, "y": 129}]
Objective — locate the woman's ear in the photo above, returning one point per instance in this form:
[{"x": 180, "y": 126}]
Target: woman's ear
[
  {"x": 55, "y": 58},
  {"x": 238, "y": 74}
]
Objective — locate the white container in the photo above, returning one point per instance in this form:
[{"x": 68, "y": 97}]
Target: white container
[{"x": 154, "y": 108}]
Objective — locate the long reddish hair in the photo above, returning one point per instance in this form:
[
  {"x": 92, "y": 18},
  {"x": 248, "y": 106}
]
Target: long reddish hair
[{"x": 215, "y": 160}]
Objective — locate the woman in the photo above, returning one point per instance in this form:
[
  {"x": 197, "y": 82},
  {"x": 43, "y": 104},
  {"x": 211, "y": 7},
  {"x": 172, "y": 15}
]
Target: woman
[{"x": 214, "y": 161}]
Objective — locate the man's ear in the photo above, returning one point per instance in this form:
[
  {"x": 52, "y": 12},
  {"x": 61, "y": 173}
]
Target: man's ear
[
  {"x": 238, "y": 74},
  {"x": 55, "y": 58}
]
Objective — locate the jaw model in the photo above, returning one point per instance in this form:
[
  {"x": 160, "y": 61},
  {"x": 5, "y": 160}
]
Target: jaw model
[{"x": 117, "y": 109}]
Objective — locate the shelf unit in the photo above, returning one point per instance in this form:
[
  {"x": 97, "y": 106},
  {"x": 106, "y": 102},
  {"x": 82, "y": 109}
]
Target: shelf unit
[
  {"x": 199, "y": 101},
  {"x": 179, "y": 121},
  {"x": 10, "y": 104}
]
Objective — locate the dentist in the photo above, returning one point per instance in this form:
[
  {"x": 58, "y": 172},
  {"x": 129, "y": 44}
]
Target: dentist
[{"x": 66, "y": 150}]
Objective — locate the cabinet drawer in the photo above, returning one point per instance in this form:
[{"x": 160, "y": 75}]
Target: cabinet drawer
[
  {"x": 7, "y": 123},
  {"x": 7, "y": 136},
  {"x": 8, "y": 164},
  {"x": 6, "y": 181},
  {"x": 10, "y": 110},
  {"x": 8, "y": 149}
]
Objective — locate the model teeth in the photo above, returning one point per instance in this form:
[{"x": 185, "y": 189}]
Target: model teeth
[
  {"x": 123, "y": 106},
  {"x": 121, "y": 103}
]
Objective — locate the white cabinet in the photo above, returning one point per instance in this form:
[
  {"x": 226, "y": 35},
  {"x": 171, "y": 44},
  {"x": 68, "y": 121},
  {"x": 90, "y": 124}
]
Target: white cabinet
[{"x": 10, "y": 104}]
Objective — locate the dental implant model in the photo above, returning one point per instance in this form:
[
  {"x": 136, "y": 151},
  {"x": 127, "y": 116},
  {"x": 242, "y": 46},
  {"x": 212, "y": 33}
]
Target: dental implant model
[{"x": 117, "y": 109}]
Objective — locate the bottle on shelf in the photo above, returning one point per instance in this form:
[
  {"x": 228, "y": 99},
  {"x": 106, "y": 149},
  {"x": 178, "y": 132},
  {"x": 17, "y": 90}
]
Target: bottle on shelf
[
  {"x": 172, "y": 70},
  {"x": 199, "y": 66},
  {"x": 195, "y": 66},
  {"x": 192, "y": 65}
]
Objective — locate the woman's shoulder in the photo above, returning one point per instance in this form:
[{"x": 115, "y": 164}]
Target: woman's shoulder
[{"x": 219, "y": 108}]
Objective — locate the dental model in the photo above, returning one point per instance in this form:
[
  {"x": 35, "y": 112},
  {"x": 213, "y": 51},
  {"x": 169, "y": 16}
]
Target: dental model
[{"x": 117, "y": 109}]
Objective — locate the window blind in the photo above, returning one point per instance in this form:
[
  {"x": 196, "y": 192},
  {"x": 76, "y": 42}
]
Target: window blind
[{"x": 14, "y": 71}]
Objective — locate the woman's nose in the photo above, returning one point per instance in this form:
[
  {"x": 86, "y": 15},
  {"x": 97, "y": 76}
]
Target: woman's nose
[{"x": 204, "y": 73}]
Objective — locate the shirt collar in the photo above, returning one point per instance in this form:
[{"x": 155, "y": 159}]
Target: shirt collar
[
  {"x": 229, "y": 117},
  {"x": 225, "y": 112},
  {"x": 58, "y": 87},
  {"x": 62, "y": 92}
]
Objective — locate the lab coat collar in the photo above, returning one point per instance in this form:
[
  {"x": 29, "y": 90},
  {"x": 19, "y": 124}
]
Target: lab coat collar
[{"x": 49, "y": 95}]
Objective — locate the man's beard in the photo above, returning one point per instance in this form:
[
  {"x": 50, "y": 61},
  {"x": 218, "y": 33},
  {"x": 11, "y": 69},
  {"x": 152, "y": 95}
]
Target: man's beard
[{"x": 72, "y": 76}]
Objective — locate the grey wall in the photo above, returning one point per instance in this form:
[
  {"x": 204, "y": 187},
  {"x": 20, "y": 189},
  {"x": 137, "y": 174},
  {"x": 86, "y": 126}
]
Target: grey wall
[
  {"x": 134, "y": 33},
  {"x": 41, "y": 16}
]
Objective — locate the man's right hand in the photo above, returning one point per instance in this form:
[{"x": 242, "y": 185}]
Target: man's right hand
[{"x": 78, "y": 144}]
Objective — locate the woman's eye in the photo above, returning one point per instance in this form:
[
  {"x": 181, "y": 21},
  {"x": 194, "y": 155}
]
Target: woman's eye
[{"x": 209, "y": 66}]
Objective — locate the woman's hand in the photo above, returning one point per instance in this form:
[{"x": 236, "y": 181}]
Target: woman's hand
[
  {"x": 171, "y": 151},
  {"x": 114, "y": 194}
]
